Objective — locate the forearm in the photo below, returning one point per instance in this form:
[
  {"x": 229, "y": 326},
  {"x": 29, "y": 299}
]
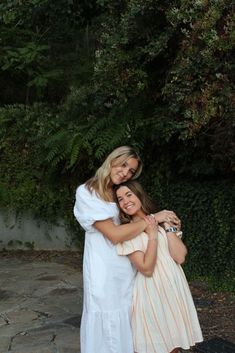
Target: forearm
[
  {"x": 150, "y": 258},
  {"x": 169, "y": 217},
  {"x": 177, "y": 249},
  {"x": 145, "y": 262},
  {"x": 119, "y": 233}
]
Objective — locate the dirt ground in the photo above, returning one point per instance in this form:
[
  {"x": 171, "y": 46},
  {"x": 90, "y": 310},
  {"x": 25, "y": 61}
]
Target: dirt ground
[{"x": 216, "y": 310}]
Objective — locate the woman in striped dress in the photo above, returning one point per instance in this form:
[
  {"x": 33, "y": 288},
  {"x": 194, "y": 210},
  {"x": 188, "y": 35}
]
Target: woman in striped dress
[
  {"x": 108, "y": 278},
  {"x": 164, "y": 317}
]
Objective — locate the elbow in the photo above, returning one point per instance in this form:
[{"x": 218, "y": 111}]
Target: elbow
[
  {"x": 113, "y": 238},
  {"x": 147, "y": 272},
  {"x": 184, "y": 255},
  {"x": 115, "y": 241},
  {"x": 180, "y": 259}
]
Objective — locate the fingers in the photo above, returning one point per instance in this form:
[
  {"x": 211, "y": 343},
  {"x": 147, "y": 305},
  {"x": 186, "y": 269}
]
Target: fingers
[
  {"x": 150, "y": 219},
  {"x": 151, "y": 222},
  {"x": 152, "y": 227},
  {"x": 171, "y": 218}
]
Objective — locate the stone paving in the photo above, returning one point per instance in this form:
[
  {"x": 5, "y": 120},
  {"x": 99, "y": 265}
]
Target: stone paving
[
  {"x": 41, "y": 304},
  {"x": 40, "y": 307}
]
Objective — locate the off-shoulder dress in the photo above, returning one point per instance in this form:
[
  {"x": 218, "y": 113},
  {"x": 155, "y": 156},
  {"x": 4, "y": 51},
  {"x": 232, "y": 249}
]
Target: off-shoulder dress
[{"x": 163, "y": 312}]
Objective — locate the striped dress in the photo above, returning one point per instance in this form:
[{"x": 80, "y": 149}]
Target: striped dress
[{"x": 163, "y": 313}]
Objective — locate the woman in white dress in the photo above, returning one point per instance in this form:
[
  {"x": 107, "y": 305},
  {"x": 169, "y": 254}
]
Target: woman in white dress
[
  {"x": 164, "y": 317},
  {"x": 108, "y": 278}
]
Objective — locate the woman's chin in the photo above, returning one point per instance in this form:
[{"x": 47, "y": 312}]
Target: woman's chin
[{"x": 130, "y": 213}]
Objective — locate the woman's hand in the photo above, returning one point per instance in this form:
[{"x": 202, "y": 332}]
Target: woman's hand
[
  {"x": 152, "y": 227},
  {"x": 169, "y": 217}
]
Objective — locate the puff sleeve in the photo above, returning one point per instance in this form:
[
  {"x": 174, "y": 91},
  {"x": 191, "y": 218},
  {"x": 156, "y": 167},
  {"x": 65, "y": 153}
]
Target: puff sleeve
[
  {"x": 89, "y": 208},
  {"x": 139, "y": 243}
]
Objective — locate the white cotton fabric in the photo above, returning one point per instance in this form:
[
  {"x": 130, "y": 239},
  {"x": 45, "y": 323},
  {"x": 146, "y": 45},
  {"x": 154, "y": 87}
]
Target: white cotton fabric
[
  {"x": 107, "y": 279},
  {"x": 163, "y": 314}
]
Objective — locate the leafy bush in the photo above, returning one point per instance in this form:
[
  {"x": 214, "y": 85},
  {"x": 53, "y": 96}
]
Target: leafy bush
[
  {"x": 26, "y": 183},
  {"x": 153, "y": 74},
  {"x": 207, "y": 213}
]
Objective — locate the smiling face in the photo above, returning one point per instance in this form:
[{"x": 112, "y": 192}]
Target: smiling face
[
  {"x": 128, "y": 202},
  {"x": 121, "y": 172}
]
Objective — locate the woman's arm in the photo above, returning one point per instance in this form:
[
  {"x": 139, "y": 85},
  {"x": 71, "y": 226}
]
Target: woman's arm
[
  {"x": 169, "y": 217},
  {"x": 120, "y": 233},
  {"x": 177, "y": 249},
  {"x": 145, "y": 262}
]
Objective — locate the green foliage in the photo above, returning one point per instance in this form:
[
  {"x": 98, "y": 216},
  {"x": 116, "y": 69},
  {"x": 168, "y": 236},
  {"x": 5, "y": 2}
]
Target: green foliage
[
  {"x": 19, "y": 244},
  {"x": 41, "y": 43},
  {"x": 25, "y": 183},
  {"x": 199, "y": 88},
  {"x": 154, "y": 74},
  {"x": 175, "y": 59},
  {"x": 207, "y": 213}
]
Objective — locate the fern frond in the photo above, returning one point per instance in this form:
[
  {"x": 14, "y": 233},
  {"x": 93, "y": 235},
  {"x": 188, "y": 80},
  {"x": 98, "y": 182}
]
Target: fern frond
[
  {"x": 55, "y": 147},
  {"x": 75, "y": 149}
]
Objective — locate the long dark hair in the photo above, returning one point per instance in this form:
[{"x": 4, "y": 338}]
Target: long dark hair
[{"x": 148, "y": 205}]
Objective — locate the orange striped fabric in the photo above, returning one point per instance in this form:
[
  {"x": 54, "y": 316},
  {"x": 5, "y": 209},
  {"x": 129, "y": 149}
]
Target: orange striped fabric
[{"x": 163, "y": 314}]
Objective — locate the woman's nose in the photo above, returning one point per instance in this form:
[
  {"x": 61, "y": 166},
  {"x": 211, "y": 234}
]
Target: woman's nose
[
  {"x": 126, "y": 201},
  {"x": 125, "y": 171}
]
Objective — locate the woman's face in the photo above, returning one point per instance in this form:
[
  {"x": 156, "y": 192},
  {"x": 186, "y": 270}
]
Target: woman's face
[
  {"x": 128, "y": 202},
  {"x": 124, "y": 171}
]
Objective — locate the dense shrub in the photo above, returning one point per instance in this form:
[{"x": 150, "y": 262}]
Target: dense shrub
[
  {"x": 28, "y": 183},
  {"x": 207, "y": 213},
  {"x": 154, "y": 74}
]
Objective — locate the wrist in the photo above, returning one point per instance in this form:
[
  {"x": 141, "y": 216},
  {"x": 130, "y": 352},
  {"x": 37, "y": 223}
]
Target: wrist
[
  {"x": 171, "y": 230},
  {"x": 153, "y": 238}
]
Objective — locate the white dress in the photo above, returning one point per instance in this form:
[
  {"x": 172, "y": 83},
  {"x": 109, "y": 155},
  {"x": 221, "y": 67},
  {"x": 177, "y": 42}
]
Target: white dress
[
  {"x": 164, "y": 316},
  {"x": 107, "y": 279}
]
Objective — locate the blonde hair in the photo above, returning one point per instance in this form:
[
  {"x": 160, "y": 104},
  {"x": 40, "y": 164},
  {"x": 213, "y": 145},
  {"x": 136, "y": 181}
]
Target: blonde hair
[
  {"x": 147, "y": 204},
  {"x": 101, "y": 181}
]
